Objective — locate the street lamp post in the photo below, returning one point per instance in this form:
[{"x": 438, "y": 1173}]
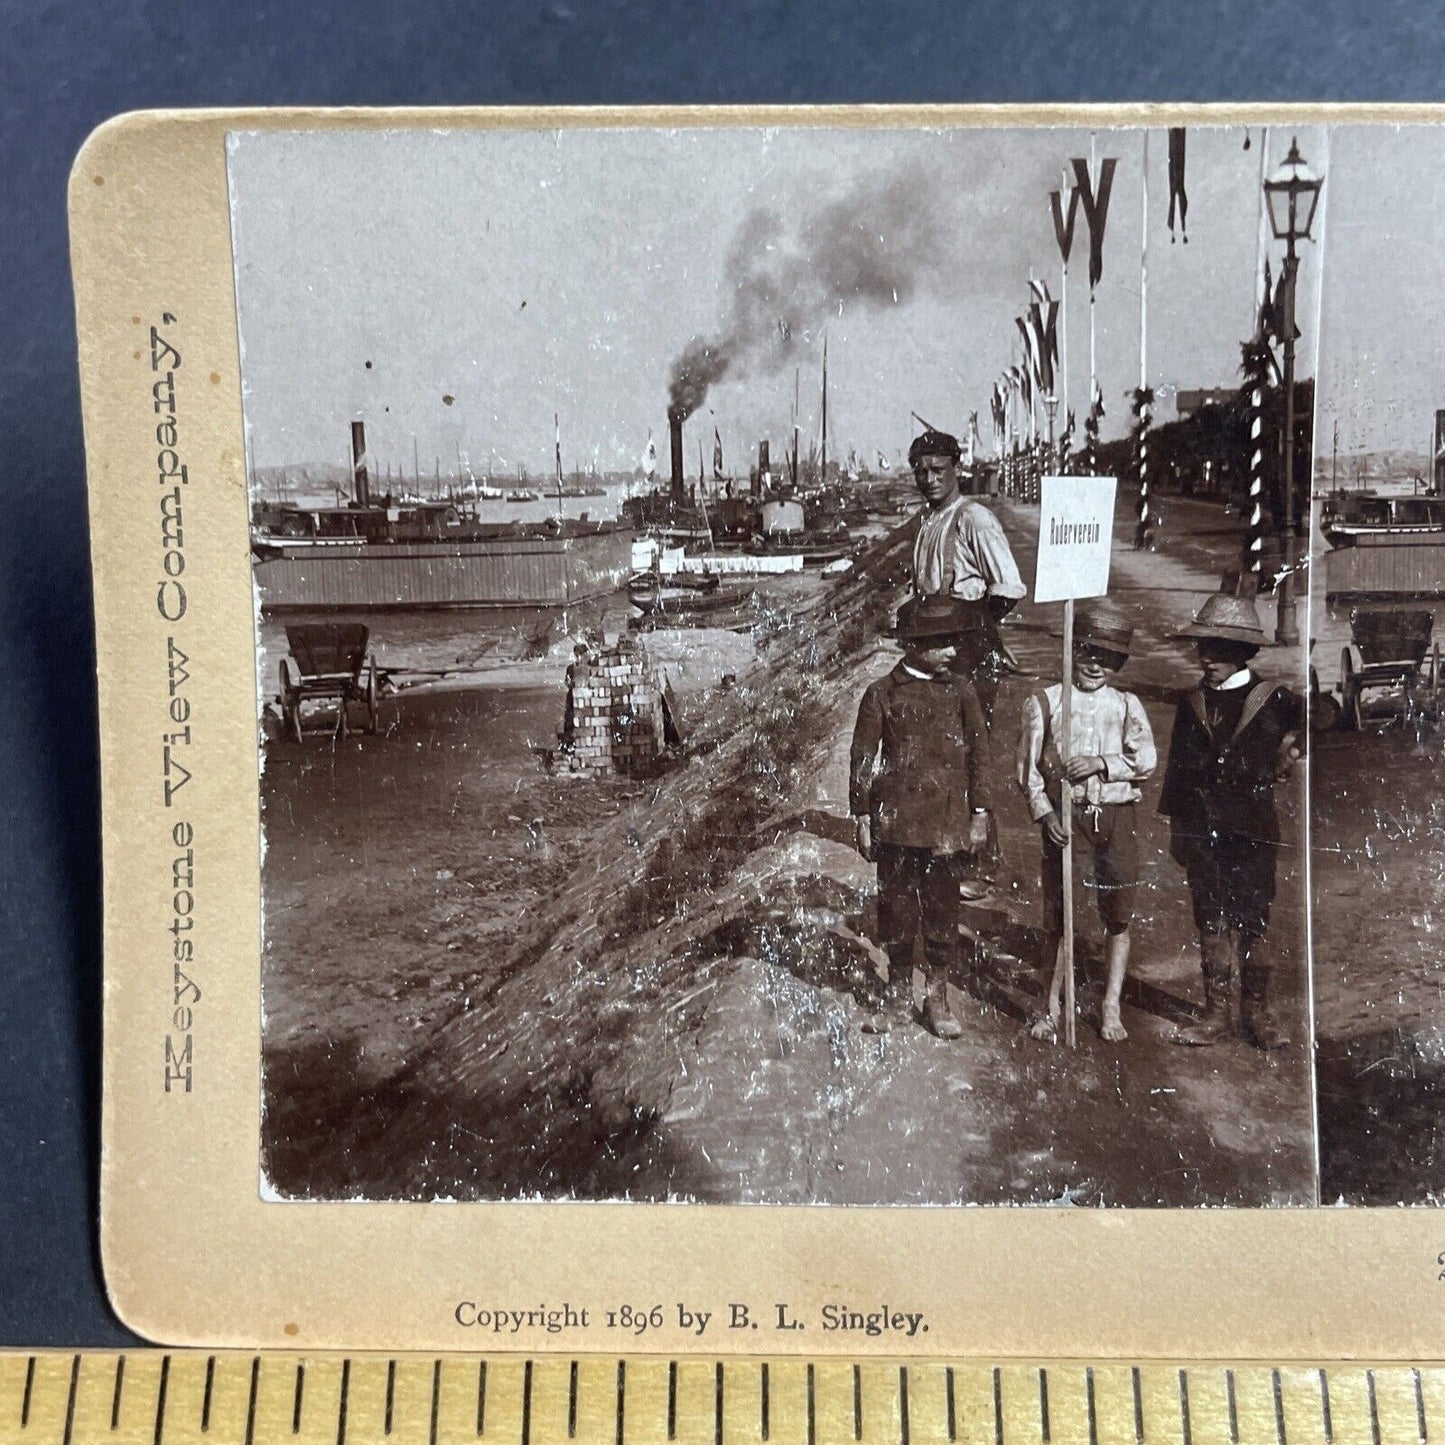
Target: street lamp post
[{"x": 1292, "y": 194}]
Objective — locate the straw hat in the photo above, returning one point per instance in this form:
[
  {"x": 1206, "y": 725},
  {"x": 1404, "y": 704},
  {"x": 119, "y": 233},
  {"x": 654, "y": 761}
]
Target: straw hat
[
  {"x": 1229, "y": 615},
  {"x": 1098, "y": 625}
]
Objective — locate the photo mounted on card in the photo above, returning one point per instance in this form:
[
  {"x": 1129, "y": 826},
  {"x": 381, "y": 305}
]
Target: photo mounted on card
[{"x": 688, "y": 697}]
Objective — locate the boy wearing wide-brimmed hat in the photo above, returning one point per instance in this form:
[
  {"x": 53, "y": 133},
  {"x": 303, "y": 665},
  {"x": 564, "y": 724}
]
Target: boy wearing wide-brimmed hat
[
  {"x": 1110, "y": 750},
  {"x": 919, "y": 793},
  {"x": 1234, "y": 737}
]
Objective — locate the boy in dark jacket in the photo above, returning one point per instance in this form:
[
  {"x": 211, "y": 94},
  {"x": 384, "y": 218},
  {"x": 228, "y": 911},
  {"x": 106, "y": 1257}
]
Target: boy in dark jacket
[
  {"x": 919, "y": 793},
  {"x": 1234, "y": 737}
]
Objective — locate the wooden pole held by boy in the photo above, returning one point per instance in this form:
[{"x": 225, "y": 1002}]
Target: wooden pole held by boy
[{"x": 1076, "y": 528}]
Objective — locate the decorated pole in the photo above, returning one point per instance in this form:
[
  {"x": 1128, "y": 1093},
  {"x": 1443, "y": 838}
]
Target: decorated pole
[
  {"x": 1256, "y": 370},
  {"x": 1143, "y": 397}
]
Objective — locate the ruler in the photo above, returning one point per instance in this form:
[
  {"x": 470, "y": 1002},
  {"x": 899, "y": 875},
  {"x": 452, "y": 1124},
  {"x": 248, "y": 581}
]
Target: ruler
[{"x": 151, "y": 1397}]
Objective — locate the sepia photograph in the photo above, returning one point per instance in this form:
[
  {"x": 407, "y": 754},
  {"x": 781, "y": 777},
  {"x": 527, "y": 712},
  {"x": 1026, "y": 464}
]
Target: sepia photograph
[
  {"x": 1377, "y": 628},
  {"x": 786, "y": 661}
]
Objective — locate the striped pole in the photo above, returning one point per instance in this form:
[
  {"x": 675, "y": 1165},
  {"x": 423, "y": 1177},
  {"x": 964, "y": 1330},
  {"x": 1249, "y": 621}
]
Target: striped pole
[
  {"x": 1142, "y": 533},
  {"x": 1254, "y": 543}
]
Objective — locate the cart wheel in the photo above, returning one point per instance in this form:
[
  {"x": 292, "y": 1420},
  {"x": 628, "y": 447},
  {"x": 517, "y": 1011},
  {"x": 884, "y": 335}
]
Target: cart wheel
[
  {"x": 371, "y": 707},
  {"x": 290, "y": 703},
  {"x": 1350, "y": 693}
]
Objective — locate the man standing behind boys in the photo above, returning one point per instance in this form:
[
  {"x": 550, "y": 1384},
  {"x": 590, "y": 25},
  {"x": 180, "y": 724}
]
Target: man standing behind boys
[
  {"x": 1110, "y": 751},
  {"x": 1234, "y": 738},
  {"x": 961, "y": 551},
  {"x": 919, "y": 793}
]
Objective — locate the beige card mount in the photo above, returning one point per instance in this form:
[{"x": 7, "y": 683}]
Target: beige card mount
[{"x": 587, "y": 766}]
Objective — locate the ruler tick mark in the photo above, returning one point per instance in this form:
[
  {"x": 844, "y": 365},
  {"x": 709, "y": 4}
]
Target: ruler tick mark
[
  {"x": 812, "y": 1413},
  {"x": 997, "y": 1406},
  {"x": 763, "y": 1404},
  {"x": 1278, "y": 1407},
  {"x": 717, "y": 1412},
  {"x": 481, "y": 1396},
  {"x": 206, "y": 1397},
  {"x": 251, "y": 1405},
  {"x": 345, "y": 1390},
  {"x": 1233, "y": 1407},
  {"x": 622, "y": 1398},
  {"x": 296, "y": 1400},
  {"x": 70, "y": 1399},
  {"x": 1374, "y": 1407},
  {"x": 527, "y": 1403},
  {"x": 1185, "y": 1428},
  {"x": 1093, "y": 1412},
  {"x": 390, "y": 1395},
  {"x": 572, "y": 1401},
  {"x": 949, "y": 1403},
  {"x": 1325, "y": 1416},
  {"x": 904, "y": 1428},
  {"x": 1138, "y": 1405},
  {"x": 341, "y": 1415},
  {"x": 1044, "y": 1403},
  {"x": 857, "y": 1402},
  {"x": 1420, "y": 1409},
  {"x": 160, "y": 1397},
  {"x": 25, "y": 1399},
  {"x": 436, "y": 1394},
  {"x": 672, "y": 1399},
  {"x": 115, "y": 1394}
]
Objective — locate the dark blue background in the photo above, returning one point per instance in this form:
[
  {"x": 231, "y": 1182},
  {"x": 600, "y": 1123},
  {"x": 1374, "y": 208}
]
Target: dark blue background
[{"x": 65, "y": 67}]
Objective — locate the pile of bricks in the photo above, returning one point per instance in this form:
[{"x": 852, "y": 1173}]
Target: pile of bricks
[{"x": 617, "y": 722}]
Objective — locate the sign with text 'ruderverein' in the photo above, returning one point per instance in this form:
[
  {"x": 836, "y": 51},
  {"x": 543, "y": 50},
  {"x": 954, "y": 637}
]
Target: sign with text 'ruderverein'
[{"x": 1076, "y": 523}]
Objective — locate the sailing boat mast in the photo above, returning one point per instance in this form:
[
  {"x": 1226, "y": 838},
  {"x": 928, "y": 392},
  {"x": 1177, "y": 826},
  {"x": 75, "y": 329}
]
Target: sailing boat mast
[
  {"x": 823, "y": 458},
  {"x": 793, "y": 460}
]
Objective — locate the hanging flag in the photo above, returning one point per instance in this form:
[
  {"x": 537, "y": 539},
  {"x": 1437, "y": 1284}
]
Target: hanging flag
[
  {"x": 557, "y": 424},
  {"x": 1064, "y": 224},
  {"x": 1096, "y": 209},
  {"x": 1277, "y": 309},
  {"x": 1045, "y": 327},
  {"x": 649, "y": 458},
  {"x": 1178, "y": 196},
  {"x": 1041, "y": 292},
  {"x": 717, "y": 461},
  {"x": 1031, "y": 355},
  {"x": 1096, "y": 405}
]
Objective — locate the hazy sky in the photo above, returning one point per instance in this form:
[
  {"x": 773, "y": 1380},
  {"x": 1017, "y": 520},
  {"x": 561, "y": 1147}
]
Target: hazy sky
[
  {"x": 1382, "y": 351},
  {"x": 522, "y": 273}
]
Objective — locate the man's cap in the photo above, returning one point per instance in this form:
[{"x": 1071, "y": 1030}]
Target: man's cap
[
  {"x": 1229, "y": 615},
  {"x": 937, "y": 617},
  {"x": 934, "y": 444}
]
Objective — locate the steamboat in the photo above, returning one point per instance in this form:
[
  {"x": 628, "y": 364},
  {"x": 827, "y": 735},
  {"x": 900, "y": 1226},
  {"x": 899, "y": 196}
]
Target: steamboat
[{"x": 371, "y": 554}]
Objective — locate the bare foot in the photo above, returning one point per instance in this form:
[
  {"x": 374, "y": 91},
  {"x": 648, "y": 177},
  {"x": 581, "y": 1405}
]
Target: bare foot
[{"x": 1113, "y": 1030}]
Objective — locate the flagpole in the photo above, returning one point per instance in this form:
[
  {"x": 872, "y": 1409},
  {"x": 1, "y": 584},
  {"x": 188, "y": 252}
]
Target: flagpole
[
  {"x": 1064, "y": 322},
  {"x": 1254, "y": 537},
  {"x": 1141, "y": 534},
  {"x": 1093, "y": 338}
]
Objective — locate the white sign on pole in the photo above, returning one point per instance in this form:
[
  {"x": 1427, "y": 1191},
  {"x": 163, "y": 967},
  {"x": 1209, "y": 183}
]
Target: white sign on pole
[{"x": 1076, "y": 526}]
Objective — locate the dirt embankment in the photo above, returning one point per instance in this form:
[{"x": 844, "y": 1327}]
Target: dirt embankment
[{"x": 654, "y": 992}]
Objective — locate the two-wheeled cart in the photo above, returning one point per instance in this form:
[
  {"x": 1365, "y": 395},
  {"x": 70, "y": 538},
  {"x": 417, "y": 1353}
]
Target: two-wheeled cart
[{"x": 332, "y": 665}]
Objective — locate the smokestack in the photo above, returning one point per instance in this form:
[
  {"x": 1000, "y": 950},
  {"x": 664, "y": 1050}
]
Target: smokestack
[
  {"x": 360, "y": 483},
  {"x": 674, "y": 427},
  {"x": 764, "y": 467}
]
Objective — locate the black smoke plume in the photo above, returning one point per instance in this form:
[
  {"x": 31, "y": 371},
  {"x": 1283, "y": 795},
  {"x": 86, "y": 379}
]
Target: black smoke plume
[{"x": 876, "y": 244}]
